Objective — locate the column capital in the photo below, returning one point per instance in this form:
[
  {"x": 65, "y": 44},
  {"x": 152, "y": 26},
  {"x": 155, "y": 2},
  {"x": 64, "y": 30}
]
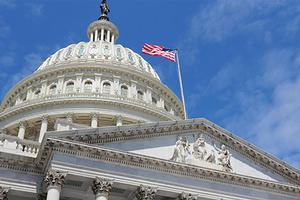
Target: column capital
[
  {"x": 45, "y": 118},
  {"x": 101, "y": 185},
  {"x": 3, "y": 193},
  {"x": 119, "y": 117},
  {"x": 146, "y": 193},
  {"x": 55, "y": 178},
  {"x": 69, "y": 117},
  {"x": 22, "y": 124},
  {"x": 187, "y": 196},
  {"x": 94, "y": 115}
]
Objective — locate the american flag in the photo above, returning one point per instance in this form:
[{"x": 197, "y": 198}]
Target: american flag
[{"x": 155, "y": 50}]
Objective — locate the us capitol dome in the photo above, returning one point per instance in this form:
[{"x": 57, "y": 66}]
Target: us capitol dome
[{"x": 96, "y": 83}]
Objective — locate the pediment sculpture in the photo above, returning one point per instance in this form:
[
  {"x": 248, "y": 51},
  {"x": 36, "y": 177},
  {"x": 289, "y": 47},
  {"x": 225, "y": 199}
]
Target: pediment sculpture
[{"x": 186, "y": 153}]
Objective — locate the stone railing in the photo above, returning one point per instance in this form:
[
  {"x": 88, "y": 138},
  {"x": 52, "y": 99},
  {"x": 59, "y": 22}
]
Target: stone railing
[{"x": 14, "y": 145}]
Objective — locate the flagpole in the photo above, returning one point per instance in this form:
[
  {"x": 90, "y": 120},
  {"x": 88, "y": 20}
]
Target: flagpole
[{"x": 180, "y": 82}]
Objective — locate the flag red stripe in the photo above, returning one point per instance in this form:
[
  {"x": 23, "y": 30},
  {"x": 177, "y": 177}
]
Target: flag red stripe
[{"x": 155, "y": 50}]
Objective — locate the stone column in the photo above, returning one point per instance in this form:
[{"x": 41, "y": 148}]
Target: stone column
[
  {"x": 94, "y": 120},
  {"x": 113, "y": 39},
  {"x": 44, "y": 127},
  {"x": 148, "y": 95},
  {"x": 116, "y": 90},
  {"x": 78, "y": 84},
  {"x": 44, "y": 89},
  {"x": 119, "y": 120},
  {"x": 187, "y": 196},
  {"x": 133, "y": 90},
  {"x": 3, "y": 193},
  {"x": 60, "y": 84},
  {"x": 102, "y": 188},
  {"x": 102, "y": 35},
  {"x": 108, "y": 36},
  {"x": 29, "y": 94},
  {"x": 54, "y": 181},
  {"x": 22, "y": 129},
  {"x": 96, "y": 35},
  {"x": 145, "y": 193}
]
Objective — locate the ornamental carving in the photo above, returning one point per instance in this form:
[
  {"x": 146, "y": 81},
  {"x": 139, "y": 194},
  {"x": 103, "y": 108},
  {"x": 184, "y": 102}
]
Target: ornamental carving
[
  {"x": 101, "y": 185},
  {"x": 200, "y": 152},
  {"x": 54, "y": 178},
  {"x": 146, "y": 193},
  {"x": 3, "y": 193},
  {"x": 186, "y": 196}
]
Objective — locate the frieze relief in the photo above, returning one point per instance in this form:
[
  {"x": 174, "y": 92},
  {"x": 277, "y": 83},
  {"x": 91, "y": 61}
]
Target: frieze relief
[{"x": 199, "y": 153}]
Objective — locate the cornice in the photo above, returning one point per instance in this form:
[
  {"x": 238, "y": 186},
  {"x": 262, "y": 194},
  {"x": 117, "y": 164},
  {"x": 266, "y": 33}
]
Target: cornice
[
  {"x": 196, "y": 126},
  {"x": 150, "y": 163}
]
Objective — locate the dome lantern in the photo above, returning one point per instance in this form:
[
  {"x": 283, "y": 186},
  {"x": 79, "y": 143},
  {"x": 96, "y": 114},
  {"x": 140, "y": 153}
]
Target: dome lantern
[{"x": 103, "y": 29}]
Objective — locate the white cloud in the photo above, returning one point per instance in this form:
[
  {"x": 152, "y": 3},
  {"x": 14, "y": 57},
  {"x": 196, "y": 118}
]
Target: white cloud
[
  {"x": 262, "y": 105},
  {"x": 268, "y": 112}
]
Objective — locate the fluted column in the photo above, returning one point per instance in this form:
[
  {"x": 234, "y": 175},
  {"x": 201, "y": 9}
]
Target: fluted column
[
  {"x": 94, "y": 120},
  {"x": 146, "y": 193},
  {"x": 187, "y": 196},
  {"x": 22, "y": 129},
  {"x": 3, "y": 193},
  {"x": 119, "y": 120},
  {"x": 101, "y": 188},
  {"x": 54, "y": 181},
  {"x": 44, "y": 127}
]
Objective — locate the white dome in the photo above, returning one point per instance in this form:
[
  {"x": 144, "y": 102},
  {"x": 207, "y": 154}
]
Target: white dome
[{"x": 97, "y": 51}]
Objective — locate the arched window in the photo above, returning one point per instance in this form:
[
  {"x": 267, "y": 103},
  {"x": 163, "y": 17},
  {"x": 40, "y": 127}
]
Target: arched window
[
  {"x": 37, "y": 93},
  {"x": 140, "y": 95},
  {"x": 154, "y": 101},
  {"x": 70, "y": 87},
  {"x": 167, "y": 108},
  {"x": 124, "y": 90},
  {"x": 52, "y": 89},
  {"x": 106, "y": 88},
  {"x": 88, "y": 86}
]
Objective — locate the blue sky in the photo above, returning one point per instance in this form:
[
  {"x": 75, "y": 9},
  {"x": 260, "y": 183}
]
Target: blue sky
[{"x": 240, "y": 58}]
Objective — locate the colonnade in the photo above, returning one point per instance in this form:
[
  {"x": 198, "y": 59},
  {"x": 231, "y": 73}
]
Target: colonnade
[
  {"x": 102, "y": 35},
  {"x": 45, "y": 120},
  {"x": 101, "y": 188}
]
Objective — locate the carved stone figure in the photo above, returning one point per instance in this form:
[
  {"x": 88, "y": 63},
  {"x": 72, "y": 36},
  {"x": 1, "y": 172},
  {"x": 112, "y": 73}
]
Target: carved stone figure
[
  {"x": 199, "y": 148},
  {"x": 146, "y": 193},
  {"x": 224, "y": 158},
  {"x": 211, "y": 157},
  {"x": 186, "y": 196},
  {"x": 101, "y": 185},
  {"x": 54, "y": 178},
  {"x": 3, "y": 193},
  {"x": 181, "y": 150}
]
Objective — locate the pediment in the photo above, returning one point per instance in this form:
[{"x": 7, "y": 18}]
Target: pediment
[{"x": 192, "y": 142}]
